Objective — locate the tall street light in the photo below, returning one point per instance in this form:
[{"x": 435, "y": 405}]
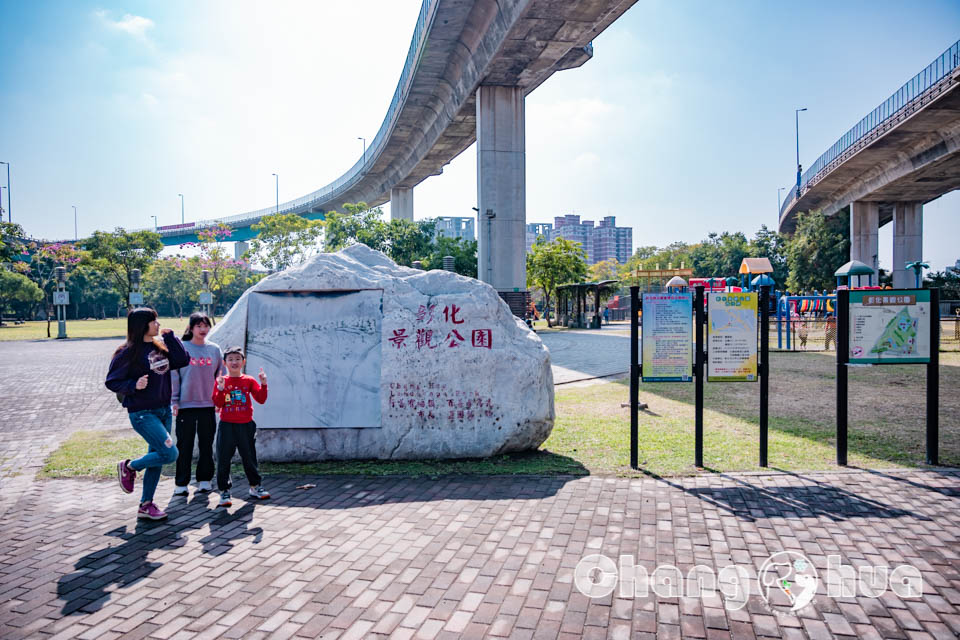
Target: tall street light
[
  {"x": 76, "y": 236},
  {"x": 181, "y": 207},
  {"x": 796, "y": 114},
  {"x": 277, "y": 180},
  {"x": 364, "y": 149},
  {"x": 778, "y": 200},
  {"x": 154, "y": 222},
  {"x": 9, "y": 192},
  {"x": 2, "y": 187}
]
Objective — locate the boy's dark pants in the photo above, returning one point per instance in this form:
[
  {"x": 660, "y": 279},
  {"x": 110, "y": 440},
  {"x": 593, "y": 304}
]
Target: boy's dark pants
[
  {"x": 201, "y": 423},
  {"x": 237, "y": 437}
]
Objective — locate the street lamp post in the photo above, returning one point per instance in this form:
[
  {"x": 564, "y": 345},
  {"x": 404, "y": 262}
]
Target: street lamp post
[
  {"x": 778, "y": 200},
  {"x": 364, "y": 149},
  {"x": 76, "y": 236},
  {"x": 181, "y": 208},
  {"x": 154, "y": 222},
  {"x": 277, "y": 180},
  {"x": 796, "y": 114},
  {"x": 9, "y": 192}
]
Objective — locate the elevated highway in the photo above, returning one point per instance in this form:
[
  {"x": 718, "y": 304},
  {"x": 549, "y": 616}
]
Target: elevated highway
[
  {"x": 469, "y": 67},
  {"x": 903, "y": 154}
]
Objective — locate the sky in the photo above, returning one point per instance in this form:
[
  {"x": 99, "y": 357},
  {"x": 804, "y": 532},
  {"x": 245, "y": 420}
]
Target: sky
[{"x": 682, "y": 124}]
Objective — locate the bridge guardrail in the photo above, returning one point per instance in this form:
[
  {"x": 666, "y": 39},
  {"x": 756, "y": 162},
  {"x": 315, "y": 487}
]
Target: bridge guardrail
[
  {"x": 428, "y": 11},
  {"x": 876, "y": 122}
]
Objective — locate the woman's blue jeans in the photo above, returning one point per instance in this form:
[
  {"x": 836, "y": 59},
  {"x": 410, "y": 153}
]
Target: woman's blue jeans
[{"x": 153, "y": 425}]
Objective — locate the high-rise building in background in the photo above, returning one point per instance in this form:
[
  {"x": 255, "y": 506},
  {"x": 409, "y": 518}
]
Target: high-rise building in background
[
  {"x": 603, "y": 242},
  {"x": 537, "y": 229},
  {"x": 456, "y": 227}
]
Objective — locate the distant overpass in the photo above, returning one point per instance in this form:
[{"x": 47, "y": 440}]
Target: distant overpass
[
  {"x": 903, "y": 154},
  {"x": 467, "y": 72}
]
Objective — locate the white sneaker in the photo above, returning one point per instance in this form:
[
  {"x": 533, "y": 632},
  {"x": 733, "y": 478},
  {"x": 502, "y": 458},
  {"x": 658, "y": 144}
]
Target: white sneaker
[
  {"x": 180, "y": 491},
  {"x": 204, "y": 486}
]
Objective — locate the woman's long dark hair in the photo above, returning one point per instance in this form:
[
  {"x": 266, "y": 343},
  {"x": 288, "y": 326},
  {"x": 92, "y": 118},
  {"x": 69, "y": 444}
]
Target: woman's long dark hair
[
  {"x": 195, "y": 319},
  {"x": 138, "y": 323}
]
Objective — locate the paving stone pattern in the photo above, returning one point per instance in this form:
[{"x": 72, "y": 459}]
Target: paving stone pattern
[
  {"x": 433, "y": 558},
  {"x": 50, "y": 389},
  {"x": 468, "y": 557}
]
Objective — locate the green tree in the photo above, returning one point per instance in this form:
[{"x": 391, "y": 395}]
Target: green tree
[
  {"x": 173, "y": 284},
  {"x": 817, "y": 248},
  {"x": 12, "y": 245},
  {"x": 16, "y": 288},
  {"x": 604, "y": 270},
  {"x": 284, "y": 240},
  {"x": 771, "y": 245},
  {"x": 947, "y": 281},
  {"x": 719, "y": 255},
  {"x": 215, "y": 258},
  {"x": 552, "y": 263},
  {"x": 464, "y": 254},
  {"x": 92, "y": 292},
  {"x": 407, "y": 241},
  {"x": 44, "y": 261},
  {"x": 359, "y": 223},
  {"x": 120, "y": 252}
]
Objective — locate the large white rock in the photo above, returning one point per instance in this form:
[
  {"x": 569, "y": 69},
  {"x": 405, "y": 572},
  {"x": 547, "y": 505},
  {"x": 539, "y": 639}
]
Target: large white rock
[{"x": 368, "y": 359}]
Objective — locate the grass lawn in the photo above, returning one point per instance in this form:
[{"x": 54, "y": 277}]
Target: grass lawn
[
  {"x": 592, "y": 431},
  {"x": 109, "y": 328},
  {"x": 886, "y": 420}
]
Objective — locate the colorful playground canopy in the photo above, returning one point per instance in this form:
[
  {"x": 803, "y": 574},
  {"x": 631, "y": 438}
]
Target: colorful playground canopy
[
  {"x": 756, "y": 265},
  {"x": 762, "y": 280},
  {"x": 676, "y": 281}
]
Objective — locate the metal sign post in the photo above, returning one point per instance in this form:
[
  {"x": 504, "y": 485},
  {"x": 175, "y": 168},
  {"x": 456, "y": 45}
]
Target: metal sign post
[
  {"x": 136, "y": 298},
  {"x": 206, "y": 297},
  {"x": 634, "y": 376},
  {"x": 763, "y": 369},
  {"x": 61, "y": 298},
  {"x": 698, "y": 366},
  {"x": 889, "y": 330},
  {"x": 933, "y": 382}
]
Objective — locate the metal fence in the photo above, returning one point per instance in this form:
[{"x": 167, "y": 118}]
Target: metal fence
[
  {"x": 820, "y": 334},
  {"x": 917, "y": 91}
]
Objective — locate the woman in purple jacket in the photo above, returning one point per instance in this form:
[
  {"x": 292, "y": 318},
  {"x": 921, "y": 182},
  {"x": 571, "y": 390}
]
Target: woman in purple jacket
[{"x": 140, "y": 372}]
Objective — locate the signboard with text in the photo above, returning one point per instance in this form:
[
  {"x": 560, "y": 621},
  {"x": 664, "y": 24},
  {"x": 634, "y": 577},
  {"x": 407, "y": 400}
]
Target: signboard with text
[
  {"x": 732, "y": 337},
  {"x": 667, "y": 337},
  {"x": 890, "y": 326}
]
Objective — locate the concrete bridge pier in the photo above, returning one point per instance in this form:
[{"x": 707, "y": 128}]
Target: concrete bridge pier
[
  {"x": 864, "y": 233},
  {"x": 501, "y": 191},
  {"x": 401, "y": 203},
  {"x": 907, "y": 241}
]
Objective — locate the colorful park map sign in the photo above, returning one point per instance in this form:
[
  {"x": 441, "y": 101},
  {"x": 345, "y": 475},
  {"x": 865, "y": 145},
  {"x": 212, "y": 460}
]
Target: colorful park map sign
[
  {"x": 732, "y": 337},
  {"x": 890, "y": 326},
  {"x": 667, "y": 337}
]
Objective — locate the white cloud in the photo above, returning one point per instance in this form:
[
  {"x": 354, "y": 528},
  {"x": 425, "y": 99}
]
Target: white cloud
[{"x": 136, "y": 26}]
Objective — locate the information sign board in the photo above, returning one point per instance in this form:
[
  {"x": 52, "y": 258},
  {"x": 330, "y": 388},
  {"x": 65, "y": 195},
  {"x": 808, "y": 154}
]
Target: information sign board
[
  {"x": 732, "y": 337},
  {"x": 667, "y": 337},
  {"x": 891, "y": 326}
]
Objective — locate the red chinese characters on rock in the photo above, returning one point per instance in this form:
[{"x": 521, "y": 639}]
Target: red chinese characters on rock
[
  {"x": 434, "y": 401},
  {"x": 430, "y": 338}
]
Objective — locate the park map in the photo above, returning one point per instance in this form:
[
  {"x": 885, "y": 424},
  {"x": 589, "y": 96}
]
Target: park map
[{"x": 899, "y": 337}]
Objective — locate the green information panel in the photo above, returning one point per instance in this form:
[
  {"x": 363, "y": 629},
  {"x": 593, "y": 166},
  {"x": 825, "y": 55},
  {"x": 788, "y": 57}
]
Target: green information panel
[{"x": 890, "y": 326}]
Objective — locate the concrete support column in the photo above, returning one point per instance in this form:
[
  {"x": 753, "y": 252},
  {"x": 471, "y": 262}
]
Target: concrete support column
[
  {"x": 907, "y": 242},
  {"x": 501, "y": 188},
  {"x": 864, "y": 234},
  {"x": 401, "y": 203},
  {"x": 239, "y": 248}
]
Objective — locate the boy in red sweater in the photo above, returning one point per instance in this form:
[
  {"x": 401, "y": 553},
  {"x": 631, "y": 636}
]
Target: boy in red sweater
[{"x": 237, "y": 430}]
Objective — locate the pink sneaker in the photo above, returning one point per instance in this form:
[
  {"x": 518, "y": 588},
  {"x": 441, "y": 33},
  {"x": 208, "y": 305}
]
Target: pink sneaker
[
  {"x": 150, "y": 511},
  {"x": 126, "y": 475}
]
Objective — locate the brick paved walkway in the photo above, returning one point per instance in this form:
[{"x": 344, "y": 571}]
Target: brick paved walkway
[
  {"x": 468, "y": 558},
  {"x": 445, "y": 558}
]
